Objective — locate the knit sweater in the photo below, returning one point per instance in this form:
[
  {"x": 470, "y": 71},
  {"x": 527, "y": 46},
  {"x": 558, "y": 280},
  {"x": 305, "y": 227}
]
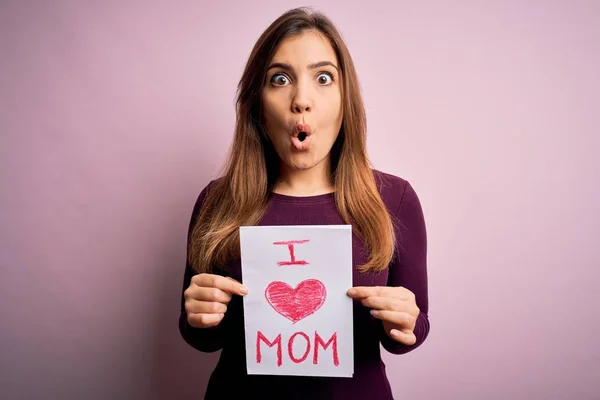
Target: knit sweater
[{"x": 407, "y": 269}]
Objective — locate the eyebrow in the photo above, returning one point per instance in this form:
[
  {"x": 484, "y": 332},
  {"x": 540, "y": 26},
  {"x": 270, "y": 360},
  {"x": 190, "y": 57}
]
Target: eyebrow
[{"x": 288, "y": 67}]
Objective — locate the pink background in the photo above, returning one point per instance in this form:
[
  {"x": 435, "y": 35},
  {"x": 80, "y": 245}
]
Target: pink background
[{"x": 115, "y": 114}]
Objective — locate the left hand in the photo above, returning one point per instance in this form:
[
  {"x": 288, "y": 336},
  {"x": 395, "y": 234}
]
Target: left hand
[{"x": 396, "y": 307}]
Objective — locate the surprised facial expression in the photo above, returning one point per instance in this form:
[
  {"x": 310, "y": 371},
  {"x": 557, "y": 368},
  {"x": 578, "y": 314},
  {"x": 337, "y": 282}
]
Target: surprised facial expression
[{"x": 301, "y": 99}]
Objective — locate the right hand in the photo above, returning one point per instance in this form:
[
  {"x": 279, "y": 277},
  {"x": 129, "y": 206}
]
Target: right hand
[{"x": 207, "y": 297}]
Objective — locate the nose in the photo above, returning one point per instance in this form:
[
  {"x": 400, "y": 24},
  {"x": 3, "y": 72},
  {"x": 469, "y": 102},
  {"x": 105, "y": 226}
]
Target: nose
[
  {"x": 301, "y": 106},
  {"x": 302, "y": 98}
]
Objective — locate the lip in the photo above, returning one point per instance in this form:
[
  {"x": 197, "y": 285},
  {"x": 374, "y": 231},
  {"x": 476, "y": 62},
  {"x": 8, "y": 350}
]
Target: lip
[
  {"x": 301, "y": 145},
  {"x": 302, "y": 128}
]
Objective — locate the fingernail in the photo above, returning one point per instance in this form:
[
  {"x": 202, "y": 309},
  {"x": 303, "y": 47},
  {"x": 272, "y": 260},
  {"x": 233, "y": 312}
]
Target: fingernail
[
  {"x": 375, "y": 313},
  {"x": 244, "y": 290},
  {"x": 352, "y": 292},
  {"x": 396, "y": 333}
]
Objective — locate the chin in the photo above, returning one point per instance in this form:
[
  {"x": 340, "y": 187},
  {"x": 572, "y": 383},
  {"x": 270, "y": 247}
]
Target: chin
[
  {"x": 302, "y": 162},
  {"x": 302, "y": 166}
]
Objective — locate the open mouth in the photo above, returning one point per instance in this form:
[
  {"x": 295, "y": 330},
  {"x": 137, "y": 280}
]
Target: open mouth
[{"x": 301, "y": 136}]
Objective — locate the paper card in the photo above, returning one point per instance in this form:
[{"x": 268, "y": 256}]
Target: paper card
[{"x": 297, "y": 316}]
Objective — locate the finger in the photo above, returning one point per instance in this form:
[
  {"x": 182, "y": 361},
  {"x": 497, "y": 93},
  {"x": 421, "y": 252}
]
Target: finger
[
  {"x": 385, "y": 303},
  {"x": 406, "y": 337},
  {"x": 211, "y": 294},
  {"x": 401, "y": 319},
  {"x": 226, "y": 284},
  {"x": 205, "y": 307},
  {"x": 204, "y": 320},
  {"x": 360, "y": 292}
]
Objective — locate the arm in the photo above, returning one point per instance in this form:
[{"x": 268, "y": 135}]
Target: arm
[
  {"x": 202, "y": 339},
  {"x": 409, "y": 267}
]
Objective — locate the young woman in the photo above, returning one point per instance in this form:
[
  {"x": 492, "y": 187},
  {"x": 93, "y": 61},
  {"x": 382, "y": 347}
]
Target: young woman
[{"x": 299, "y": 158}]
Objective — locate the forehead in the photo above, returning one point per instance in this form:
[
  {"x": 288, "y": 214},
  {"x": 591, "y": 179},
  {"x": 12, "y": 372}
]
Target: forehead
[{"x": 305, "y": 48}]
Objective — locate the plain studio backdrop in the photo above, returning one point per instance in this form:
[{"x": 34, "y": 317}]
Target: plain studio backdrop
[{"x": 115, "y": 114}]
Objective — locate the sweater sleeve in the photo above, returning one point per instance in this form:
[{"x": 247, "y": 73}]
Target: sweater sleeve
[
  {"x": 409, "y": 267},
  {"x": 202, "y": 339}
]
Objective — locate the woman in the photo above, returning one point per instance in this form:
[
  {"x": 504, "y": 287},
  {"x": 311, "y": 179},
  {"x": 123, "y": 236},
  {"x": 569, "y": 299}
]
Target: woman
[{"x": 299, "y": 158}]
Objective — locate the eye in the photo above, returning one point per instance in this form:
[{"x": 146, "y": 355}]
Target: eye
[
  {"x": 279, "y": 80},
  {"x": 324, "y": 78}
]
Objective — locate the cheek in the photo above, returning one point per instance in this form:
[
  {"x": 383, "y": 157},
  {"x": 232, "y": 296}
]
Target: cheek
[
  {"x": 273, "y": 125},
  {"x": 335, "y": 105},
  {"x": 334, "y": 113},
  {"x": 272, "y": 114}
]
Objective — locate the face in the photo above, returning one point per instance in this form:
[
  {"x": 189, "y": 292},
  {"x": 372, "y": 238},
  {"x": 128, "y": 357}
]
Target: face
[{"x": 301, "y": 99}]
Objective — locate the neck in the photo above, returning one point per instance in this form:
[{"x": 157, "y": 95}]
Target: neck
[{"x": 309, "y": 182}]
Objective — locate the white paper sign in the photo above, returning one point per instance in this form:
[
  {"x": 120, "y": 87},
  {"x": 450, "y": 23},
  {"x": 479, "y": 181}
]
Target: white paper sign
[{"x": 297, "y": 316}]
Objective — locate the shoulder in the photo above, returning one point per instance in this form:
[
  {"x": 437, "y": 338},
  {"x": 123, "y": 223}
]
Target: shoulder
[
  {"x": 402, "y": 202},
  {"x": 201, "y": 198},
  {"x": 392, "y": 189}
]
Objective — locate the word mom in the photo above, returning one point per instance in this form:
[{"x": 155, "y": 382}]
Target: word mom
[{"x": 318, "y": 341}]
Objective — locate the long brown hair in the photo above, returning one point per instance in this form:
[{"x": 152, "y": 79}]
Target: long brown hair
[{"x": 242, "y": 194}]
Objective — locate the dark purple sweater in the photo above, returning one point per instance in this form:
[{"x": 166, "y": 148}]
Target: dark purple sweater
[{"x": 409, "y": 269}]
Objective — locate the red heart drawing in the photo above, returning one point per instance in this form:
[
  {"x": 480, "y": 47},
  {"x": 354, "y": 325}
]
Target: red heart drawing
[{"x": 296, "y": 304}]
